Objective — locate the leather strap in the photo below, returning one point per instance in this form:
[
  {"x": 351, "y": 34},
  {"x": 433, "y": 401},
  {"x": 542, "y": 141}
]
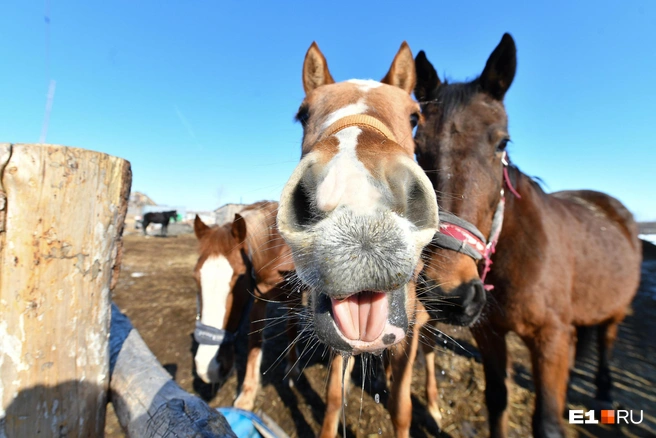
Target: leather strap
[{"x": 359, "y": 120}]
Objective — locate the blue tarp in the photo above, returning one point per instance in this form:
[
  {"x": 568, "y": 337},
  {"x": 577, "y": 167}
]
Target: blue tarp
[{"x": 245, "y": 424}]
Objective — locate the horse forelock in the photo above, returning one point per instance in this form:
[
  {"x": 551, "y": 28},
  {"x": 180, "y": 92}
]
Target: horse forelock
[{"x": 218, "y": 241}]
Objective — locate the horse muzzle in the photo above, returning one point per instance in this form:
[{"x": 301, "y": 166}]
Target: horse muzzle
[{"x": 461, "y": 305}]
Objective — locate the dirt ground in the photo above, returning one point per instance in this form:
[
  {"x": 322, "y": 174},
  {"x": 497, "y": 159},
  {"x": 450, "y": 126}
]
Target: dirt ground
[{"x": 157, "y": 291}]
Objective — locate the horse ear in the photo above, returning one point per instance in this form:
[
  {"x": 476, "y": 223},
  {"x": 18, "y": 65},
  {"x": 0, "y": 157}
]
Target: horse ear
[
  {"x": 315, "y": 69},
  {"x": 239, "y": 228},
  {"x": 427, "y": 78},
  {"x": 199, "y": 227},
  {"x": 402, "y": 72},
  {"x": 500, "y": 68}
]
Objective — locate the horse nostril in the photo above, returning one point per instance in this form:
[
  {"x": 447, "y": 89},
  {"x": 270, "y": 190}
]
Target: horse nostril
[
  {"x": 475, "y": 299},
  {"x": 414, "y": 197},
  {"x": 419, "y": 208},
  {"x": 302, "y": 214}
]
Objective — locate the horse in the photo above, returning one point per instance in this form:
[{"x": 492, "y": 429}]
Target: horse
[
  {"x": 163, "y": 218},
  {"x": 241, "y": 266},
  {"x": 538, "y": 264},
  {"x": 357, "y": 212}
]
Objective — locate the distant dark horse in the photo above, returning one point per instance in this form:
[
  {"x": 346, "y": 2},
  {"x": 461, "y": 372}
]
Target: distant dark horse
[
  {"x": 561, "y": 261},
  {"x": 163, "y": 218}
]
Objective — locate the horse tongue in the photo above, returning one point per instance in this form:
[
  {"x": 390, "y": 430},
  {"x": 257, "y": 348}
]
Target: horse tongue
[{"x": 361, "y": 316}]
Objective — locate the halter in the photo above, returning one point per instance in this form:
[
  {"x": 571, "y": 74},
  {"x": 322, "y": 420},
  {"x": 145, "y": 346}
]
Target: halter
[
  {"x": 459, "y": 235},
  {"x": 359, "y": 120},
  {"x": 208, "y": 335}
]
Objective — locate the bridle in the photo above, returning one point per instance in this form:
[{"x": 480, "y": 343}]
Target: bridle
[
  {"x": 457, "y": 234},
  {"x": 207, "y": 335}
]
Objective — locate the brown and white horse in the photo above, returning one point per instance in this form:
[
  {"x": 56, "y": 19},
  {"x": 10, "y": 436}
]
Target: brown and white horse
[
  {"x": 561, "y": 260},
  {"x": 357, "y": 213},
  {"x": 242, "y": 265}
]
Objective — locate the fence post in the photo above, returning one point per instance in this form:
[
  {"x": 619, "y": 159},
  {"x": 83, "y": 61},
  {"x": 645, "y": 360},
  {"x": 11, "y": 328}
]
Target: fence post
[{"x": 62, "y": 211}]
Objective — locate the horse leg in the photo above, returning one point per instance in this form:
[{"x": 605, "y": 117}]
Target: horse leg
[
  {"x": 334, "y": 401},
  {"x": 292, "y": 371},
  {"x": 491, "y": 343},
  {"x": 399, "y": 403},
  {"x": 402, "y": 359},
  {"x": 431, "y": 381},
  {"x": 606, "y": 335},
  {"x": 145, "y": 227},
  {"x": 550, "y": 352},
  {"x": 251, "y": 384}
]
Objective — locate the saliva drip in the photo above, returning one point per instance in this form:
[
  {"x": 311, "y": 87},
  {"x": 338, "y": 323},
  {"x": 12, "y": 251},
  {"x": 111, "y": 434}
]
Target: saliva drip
[{"x": 345, "y": 360}]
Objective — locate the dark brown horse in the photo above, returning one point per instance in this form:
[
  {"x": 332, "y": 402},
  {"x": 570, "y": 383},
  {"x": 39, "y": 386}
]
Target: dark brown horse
[
  {"x": 160, "y": 217},
  {"x": 563, "y": 260}
]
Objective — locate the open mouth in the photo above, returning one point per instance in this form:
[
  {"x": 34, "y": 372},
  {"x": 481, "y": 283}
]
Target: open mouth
[
  {"x": 361, "y": 316},
  {"x": 364, "y": 322}
]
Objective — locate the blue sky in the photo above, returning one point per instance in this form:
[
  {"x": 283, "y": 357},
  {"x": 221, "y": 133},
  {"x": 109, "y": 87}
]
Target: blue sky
[{"x": 200, "y": 95}]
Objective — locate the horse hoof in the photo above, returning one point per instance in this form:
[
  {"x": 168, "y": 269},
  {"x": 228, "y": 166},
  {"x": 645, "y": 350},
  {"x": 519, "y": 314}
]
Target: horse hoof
[
  {"x": 245, "y": 403},
  {"x": 436, "y": 414}
]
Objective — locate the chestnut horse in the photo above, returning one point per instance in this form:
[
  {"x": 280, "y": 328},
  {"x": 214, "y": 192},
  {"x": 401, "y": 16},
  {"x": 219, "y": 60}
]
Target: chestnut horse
[
  {"x": 357, "y": 212},
  {"x": 242, "y": 265},
  {"x": 562, "y": 260}
]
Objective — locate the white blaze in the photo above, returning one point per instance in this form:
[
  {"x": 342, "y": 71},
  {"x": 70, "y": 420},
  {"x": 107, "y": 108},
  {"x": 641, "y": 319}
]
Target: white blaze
[
  {"x": 347, "y": 181},
  {"x": 349, "y": 110},
  {"x": 215, "y": 276}
]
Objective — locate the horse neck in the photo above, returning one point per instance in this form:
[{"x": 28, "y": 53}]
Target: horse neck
[{"x": 522, "y": 221}]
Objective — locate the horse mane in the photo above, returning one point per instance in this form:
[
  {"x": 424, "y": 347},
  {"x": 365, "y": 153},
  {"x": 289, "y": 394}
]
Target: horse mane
[
  {"x": 261, "y": 232},
  {"x": 535, "y": 182}
]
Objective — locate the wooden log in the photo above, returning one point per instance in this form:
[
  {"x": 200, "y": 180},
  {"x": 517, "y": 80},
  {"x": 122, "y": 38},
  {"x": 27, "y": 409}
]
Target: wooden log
[
  {"x": 147, "y": 402},
  {"x": 61, "y": 217}
]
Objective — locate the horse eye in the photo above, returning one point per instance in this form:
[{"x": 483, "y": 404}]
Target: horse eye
[
  {"x": 414, "y": 120},
  {"x": 502, "y": 145},
  {"x": 303, "y": 115}
]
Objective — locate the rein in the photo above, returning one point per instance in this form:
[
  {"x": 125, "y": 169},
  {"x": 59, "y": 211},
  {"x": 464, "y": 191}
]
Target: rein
[
  {"x": 457, "y": 234},
  {"x": 207, "y": 335}
]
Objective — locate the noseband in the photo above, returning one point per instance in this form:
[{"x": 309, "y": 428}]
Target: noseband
[
  {"x": 359, "y": 120},
  {"x": 208, "y": 335},
  {"x": 457, "y": 234}
]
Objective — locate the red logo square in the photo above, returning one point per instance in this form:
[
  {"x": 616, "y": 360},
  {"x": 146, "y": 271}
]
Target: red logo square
[{"x": 607, "y": 417}]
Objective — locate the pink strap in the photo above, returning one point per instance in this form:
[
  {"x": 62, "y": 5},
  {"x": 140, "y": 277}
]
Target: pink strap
[
  {"x": 509, "y": 184},
  {"x": 506, "y": 177}
]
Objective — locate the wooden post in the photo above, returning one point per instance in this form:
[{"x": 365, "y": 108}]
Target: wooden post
[{"x": 61, "y": 218}]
